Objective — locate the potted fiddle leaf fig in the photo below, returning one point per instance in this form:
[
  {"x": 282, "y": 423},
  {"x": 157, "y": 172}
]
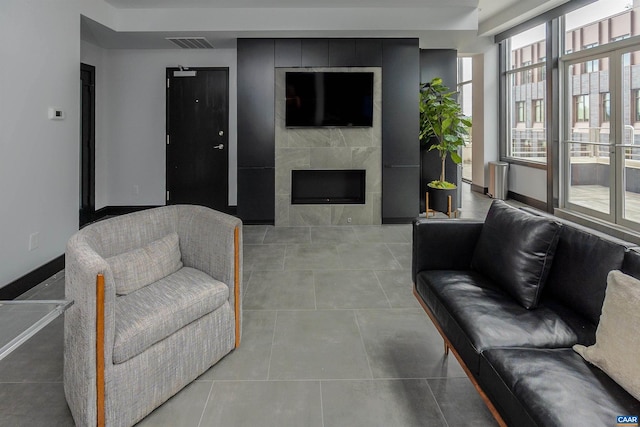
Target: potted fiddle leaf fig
[{"x": 443, "y": 127}]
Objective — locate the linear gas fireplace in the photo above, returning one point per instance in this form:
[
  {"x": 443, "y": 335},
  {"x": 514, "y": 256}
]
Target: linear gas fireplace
[{"x": 328, "y": 186}]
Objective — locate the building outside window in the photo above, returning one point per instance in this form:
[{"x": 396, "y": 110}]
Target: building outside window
[
  {"x": 538, "y": 111},
  {"x": 598, "y": 122},
  {"x": 581, "y": 108},
  {"x": 520, "y": 112},
  {"x": 600, "y": 159},
  {"x": 525, "y": 56},
  {"x": 605, "y": 104},
  {"x": 592, "y": 65}
]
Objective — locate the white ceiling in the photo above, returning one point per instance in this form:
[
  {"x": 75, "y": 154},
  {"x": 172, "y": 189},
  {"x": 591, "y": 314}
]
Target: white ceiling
[
  {"x": 171, "y": 4},
  {"x": 144, "y": 24}
]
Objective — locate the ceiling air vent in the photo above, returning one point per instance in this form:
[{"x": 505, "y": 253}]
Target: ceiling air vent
[{"x": 190, "y": 42}]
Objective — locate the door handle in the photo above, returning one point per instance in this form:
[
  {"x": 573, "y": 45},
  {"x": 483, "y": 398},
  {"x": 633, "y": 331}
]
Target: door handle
[{"x": 219, "y": 147}]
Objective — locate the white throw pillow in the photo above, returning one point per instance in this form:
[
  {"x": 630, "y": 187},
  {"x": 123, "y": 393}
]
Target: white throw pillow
[
  {"x": 617, "y": 347},
  {"x": 142, "y": 266}
]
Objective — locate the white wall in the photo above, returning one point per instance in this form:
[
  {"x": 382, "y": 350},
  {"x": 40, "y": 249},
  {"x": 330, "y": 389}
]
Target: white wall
[
  {"x": 130, "y": 104},
  {"x": 136, "y": 81},
  {"x": 39, "y": 158},
  {"x": 485, "y": 115},
  {"x": 530, "y": 182}
]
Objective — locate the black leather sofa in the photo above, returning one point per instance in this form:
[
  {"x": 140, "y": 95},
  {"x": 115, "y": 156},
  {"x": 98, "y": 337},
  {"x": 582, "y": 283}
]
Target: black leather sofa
[{"x": 520, "y": 359}]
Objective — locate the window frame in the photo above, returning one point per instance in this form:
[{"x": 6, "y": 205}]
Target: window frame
[
  {"x": 538, "y": 110},
  {"x": 508, "y": 109}
]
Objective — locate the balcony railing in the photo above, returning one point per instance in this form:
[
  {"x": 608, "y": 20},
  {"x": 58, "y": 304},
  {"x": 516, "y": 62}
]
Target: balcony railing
[{"x": 528, "y": 143}]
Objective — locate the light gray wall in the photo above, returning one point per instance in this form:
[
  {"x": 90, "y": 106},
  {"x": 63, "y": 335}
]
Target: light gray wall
[
  {"x": 134, "y": 139},
  {"x": 39, "y": 158}
]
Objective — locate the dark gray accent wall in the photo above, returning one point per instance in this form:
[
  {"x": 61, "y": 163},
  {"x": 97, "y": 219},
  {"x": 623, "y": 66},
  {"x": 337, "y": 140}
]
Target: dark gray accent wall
[
  {"x": 438, "y": 63},
  {"x": 400, "y": 130},
  {"x": 400, "y": 62},
  {"x": 256, "y": 130}
]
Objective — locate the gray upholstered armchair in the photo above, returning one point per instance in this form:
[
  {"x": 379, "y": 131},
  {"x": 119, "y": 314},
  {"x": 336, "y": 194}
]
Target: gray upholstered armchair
[{"x": 157, "y": 302}]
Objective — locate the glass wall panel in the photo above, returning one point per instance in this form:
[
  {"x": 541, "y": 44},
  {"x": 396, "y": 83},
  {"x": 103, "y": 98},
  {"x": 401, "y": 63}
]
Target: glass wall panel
[
  {"x": 526, "y": 96},
  {"x": 465, "y": 97},
  {"x": 631, "y": 136},
  {"x": 589, "y": 145},
  {"x": 599, "y": 23}
]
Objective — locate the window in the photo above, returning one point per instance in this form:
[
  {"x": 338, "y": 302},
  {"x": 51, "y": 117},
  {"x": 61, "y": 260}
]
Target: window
[
  {"x": 538, "y": 111},
  {"x": 465, "y": 98},
  {"x": 520, "y": 111},
  {"x": 592, "y": 25},
  {"x": 525, "y": 74},
  {"x": 596, "y": 61},
  {"x": 605, "y": 103},
  {"x": 581, "y": 108},
  {"x": 592, "y": 66},
  {"x": 618, "y": 38}
]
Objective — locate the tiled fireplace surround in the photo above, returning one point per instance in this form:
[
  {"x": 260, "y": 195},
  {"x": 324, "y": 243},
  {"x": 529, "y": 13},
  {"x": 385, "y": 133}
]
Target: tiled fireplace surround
[{"x": 328, "y": 148}]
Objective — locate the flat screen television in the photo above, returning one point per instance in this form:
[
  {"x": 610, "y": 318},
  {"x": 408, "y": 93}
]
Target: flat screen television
[{"x": 329, "y": 99}]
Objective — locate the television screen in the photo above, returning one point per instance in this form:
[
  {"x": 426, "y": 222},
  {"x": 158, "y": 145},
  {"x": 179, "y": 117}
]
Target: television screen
[{"x": 329, "y": 99}]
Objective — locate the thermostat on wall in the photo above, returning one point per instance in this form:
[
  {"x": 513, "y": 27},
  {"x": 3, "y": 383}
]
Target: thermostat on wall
[{"x": 55, "y": 114}]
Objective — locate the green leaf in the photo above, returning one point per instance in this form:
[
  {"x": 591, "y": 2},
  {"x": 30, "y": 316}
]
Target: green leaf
[{"x": 456, "y": 157}]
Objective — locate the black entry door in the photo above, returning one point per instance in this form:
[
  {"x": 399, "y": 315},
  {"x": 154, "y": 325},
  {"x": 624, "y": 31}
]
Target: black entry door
[
  {"x": 87, "y": 144},
  {"x": 197, "y": 141}
]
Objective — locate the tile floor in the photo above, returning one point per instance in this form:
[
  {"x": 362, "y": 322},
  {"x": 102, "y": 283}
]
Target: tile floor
[{"x": 332, "y": 337}]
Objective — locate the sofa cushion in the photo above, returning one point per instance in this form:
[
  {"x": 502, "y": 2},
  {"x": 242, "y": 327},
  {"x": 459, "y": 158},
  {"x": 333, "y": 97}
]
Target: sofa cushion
[
  {"x": 631, "y": 263},
  {"x": 516, "y": 249},
  {"x": 579, "y": 272},
  {"x": 147, "y": 316},
  {"x": 475, "y": 314},
  {"x": 552, "y": 387},
  {"x": 617, "y": 340},
  {"x": 140, "y": 267}
]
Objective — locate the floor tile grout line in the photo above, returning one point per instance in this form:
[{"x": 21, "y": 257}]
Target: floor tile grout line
[
  {"x": 392, "y": 254},
  {"x": 321, "y": 406},
  {"x": 273, "y": 340},
  {"x": 206, "y": 403},
  {"x": 444, "y": 418},
  {"x": 364, "y": 346},
  {"x": 315, "y": 293},
  {"x": 382, "y": 287}
]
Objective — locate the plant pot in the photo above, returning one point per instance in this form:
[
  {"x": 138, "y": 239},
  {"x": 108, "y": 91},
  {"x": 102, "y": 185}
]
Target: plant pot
[{"x": 443, "y": 200}]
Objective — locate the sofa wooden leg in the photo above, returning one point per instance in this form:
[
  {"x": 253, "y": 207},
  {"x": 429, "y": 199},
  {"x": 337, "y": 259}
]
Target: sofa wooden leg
[
  {"x": 100, "y": 350},
  {"x": 446, "y": 349}
]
